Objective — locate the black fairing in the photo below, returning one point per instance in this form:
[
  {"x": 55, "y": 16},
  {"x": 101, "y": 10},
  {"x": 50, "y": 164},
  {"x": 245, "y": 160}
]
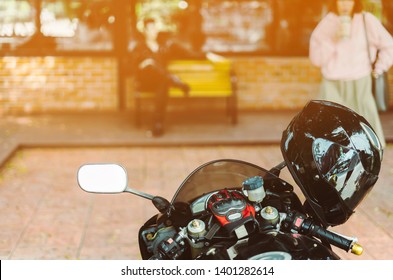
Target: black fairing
[{"x": 334, "y": 124}]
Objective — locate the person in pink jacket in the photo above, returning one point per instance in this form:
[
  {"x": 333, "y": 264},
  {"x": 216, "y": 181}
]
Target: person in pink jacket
[{"x": 338, "y": 45}]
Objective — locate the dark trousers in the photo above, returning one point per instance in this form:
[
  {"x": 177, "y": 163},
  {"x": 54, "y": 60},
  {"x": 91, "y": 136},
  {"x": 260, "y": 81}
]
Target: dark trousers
[{"x": 156, "y": 80}]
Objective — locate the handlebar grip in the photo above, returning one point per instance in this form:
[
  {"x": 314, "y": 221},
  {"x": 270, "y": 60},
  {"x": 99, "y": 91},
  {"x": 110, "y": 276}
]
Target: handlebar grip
[{"x": 333, "y": 238}]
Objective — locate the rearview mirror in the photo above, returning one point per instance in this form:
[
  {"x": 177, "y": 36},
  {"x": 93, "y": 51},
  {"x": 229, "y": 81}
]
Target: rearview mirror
[{"x": 102, "y": 178}]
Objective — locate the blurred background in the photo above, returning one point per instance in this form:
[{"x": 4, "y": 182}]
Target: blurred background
[{"x": 73, "y": 55}]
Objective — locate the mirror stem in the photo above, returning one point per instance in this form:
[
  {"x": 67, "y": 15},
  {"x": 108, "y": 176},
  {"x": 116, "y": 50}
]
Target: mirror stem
[
  {"x": 277, "y": 169},
  {"x": 139, "y": 193},
  {"x": 159, "y": 202}
]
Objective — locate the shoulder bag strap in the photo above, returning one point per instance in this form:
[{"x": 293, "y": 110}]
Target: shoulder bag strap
[{"x": 368, "y": 45}]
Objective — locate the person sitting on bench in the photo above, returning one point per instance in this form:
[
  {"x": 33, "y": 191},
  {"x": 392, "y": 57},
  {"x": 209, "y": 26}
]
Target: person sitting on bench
[{"x": 150, "y": 54}]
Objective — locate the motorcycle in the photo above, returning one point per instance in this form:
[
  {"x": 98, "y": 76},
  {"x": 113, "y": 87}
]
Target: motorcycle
[
  {"x": 225, "y": 209},
  {"x": 232, "y": 209}
]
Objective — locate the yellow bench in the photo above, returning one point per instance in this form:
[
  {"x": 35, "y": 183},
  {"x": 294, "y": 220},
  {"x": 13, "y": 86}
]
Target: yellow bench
[{"x": 212, "y": 77}]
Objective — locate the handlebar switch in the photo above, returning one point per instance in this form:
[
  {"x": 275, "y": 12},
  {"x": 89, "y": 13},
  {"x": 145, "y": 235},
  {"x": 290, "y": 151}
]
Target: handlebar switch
[
  {"x": 294, "y": 222},
  {"x": 171, "y": 249}
]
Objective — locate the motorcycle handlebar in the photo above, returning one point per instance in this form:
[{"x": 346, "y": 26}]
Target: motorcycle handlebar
[
  {"x": 336, "y": 239},
  {"x": 300, "y": 223}
]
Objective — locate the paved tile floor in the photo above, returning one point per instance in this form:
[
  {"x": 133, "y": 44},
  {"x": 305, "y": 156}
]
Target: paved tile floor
[{"x": 45, "y": 215}]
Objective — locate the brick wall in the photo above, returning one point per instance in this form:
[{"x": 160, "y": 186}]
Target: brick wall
[
  {"x": 276, "y": 83},
  {"x": 61, "y": 84},
  {"x": 57, "y": 84}
]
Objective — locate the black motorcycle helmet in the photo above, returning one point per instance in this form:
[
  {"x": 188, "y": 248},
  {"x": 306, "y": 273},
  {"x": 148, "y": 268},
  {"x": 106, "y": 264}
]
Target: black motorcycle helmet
[{"x": 334, "y": 156}]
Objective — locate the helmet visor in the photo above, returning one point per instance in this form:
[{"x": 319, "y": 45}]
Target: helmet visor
[{"x": 341, "y": 168}]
